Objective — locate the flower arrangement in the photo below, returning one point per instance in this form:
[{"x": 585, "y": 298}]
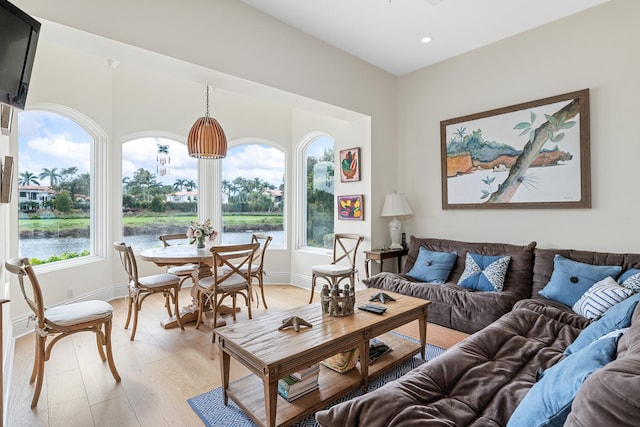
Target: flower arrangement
[{"x": 198, "y": 231}]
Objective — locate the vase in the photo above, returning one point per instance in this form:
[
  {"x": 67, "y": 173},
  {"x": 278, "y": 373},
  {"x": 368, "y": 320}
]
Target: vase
[{"x": 200, "y": 242}]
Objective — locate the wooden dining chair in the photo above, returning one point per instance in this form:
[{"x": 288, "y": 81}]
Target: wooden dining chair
[
  {"x": 257, "y": 268},
  {"x": 61, "y": 321},
  {"x": 184, "y": 271},
  {"x": 345, "y": 246},
  {"x": 141, "y": 287},
  {"x": 228, "y": 280}
]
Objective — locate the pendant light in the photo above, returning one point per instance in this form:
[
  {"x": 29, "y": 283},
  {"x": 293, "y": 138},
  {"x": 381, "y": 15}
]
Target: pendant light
[{"x": 206, "y": 138}]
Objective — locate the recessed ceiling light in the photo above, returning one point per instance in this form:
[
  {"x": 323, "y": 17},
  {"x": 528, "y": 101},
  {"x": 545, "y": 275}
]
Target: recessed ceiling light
[{"x": 425, "y": 39}]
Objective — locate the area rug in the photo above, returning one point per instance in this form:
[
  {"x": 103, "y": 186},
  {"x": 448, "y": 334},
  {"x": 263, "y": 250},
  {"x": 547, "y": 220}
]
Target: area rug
[{"x": 213, "y": 413}]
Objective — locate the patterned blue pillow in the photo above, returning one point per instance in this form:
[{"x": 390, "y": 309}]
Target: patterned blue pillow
[
  {"x": 601, "y": 297},
  {"x": 630, "y": 279},
  {"x": 617, "y": 317},
  {"x": 433, "y": 267},
  {"x": 571, "y": 279},
  {"x": 548, "y": 402},
  {"x": 484, "y": 272}
]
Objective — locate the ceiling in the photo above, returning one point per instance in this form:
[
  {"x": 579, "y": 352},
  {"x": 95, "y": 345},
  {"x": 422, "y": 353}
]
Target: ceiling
[{"x": 388, "y": 33}]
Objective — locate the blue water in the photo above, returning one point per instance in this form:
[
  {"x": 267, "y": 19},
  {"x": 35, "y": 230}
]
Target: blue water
[{"x": 44, "y": 248}]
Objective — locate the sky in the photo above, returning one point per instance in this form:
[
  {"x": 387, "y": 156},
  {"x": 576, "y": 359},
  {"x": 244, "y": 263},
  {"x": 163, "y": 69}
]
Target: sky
[{"x": 49, "y": 140}]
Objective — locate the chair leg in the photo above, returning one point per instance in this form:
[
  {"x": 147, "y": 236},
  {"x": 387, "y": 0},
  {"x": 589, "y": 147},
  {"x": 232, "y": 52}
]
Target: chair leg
[
  {"x": 233, "y": 298},
  {"x": 177, "y": 308},
  {"x": 126, "y": 323},
  {"x": 313, "y": 287},
  {"x": 107, "y": 338},
  {"x": 100, "y": 342},
  {"x": 38, "y": 369},
  {"x": 249, "y": 305},
  {"x": 136, "y": 309},
  {"x": 261, "y": 284},
  {"x": 200, "y": 309},
  {"x": 167, "y": 302}
]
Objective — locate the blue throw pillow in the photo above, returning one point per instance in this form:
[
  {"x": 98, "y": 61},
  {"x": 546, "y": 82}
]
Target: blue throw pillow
[
  {"x": 630, "y": 279},
  {"x": 433, "y": 267},
  {"x": 617, "y": 317},
  {"x": 548, "y": 402},
  {"x": 571, "y": 279},
  {"x": 484, "y": 272}
]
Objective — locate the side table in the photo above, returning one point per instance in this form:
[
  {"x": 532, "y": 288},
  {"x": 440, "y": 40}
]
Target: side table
[{"x": 381, "y": 255}]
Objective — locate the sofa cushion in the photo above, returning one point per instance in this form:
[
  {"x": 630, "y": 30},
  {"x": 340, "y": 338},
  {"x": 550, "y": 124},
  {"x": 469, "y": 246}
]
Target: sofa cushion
[
  {"x": 432, "y": 266},
  {"x": 630, "y": 279},
  {"x": 600, "y": 297},
  {"x": 548, "y": 403},
  {"x": 571, "y": 279},
  {"x": 617, "y": 317},
  {"x": 543, "y": 264},
  {"x": 484, "y": 272}
]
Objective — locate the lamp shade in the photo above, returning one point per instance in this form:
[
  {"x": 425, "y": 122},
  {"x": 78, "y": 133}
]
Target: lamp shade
[
  {"x": 396, "y": 204},
  {"x": 207, "y": 139}
]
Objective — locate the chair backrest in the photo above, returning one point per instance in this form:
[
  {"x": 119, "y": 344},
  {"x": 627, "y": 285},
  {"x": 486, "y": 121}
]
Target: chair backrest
[
  {"x": 346, "y": 246},
  {"x": 230, "y": 259},
  {"x": 165, "y": 238},
  {"x": 128, "y": 260},
  {"x": 263, "y": 240},
  {"x": 32, "y": 292}
]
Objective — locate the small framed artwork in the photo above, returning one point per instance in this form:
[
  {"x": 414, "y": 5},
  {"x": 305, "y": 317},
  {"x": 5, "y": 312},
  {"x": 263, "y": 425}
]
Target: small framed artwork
[
  {"x": 530, "y": 155},
  {"x": 351, "y": 207},
  {"x": 350, "y": 165}
]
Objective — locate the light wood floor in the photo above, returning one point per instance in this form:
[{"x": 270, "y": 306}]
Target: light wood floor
[{"x": 160, "y": 370}]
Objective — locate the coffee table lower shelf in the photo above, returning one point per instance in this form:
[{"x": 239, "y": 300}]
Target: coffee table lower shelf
[{"x": 247, "y": 392}]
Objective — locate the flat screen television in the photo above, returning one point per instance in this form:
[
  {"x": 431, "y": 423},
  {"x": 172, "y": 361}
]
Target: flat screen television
[{"x": 18, "y": 41}]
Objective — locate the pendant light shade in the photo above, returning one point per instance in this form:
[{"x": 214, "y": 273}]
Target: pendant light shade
[{"x": 206, "y": 138}]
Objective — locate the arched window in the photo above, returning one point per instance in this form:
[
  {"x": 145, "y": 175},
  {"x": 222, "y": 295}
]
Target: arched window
[
  {"x": 317, "y": 174},
  {"x": 56, "y": 185},
  {"x": 159, "y": 190},
  {"x": 253, "y": 190}
]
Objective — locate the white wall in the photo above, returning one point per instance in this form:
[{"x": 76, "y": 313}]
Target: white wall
[{"x": 596, "y": 49}]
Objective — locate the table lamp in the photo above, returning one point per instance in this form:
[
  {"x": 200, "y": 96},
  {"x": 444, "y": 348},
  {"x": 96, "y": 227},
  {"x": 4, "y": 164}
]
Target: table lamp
[{"x": 395, "y": 205}]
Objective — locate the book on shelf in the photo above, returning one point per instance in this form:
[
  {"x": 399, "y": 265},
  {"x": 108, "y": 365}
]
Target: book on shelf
[
  {"x": 307, "y": 372},
  {"x": 290, "y": 388},
  {"x": 377, "y": 349},
  {"x": 293, "y": 385}
]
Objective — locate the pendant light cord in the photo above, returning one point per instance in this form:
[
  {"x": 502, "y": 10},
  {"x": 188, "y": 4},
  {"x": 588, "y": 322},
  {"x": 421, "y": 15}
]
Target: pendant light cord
[{"x": 207, "y": 114}]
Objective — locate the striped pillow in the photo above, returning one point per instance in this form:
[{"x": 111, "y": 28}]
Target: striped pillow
[{"x": 600, "y": 297}]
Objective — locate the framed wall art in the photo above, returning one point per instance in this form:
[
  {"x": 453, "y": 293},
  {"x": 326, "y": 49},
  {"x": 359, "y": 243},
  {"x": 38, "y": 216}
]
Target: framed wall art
[
  {"x": 350, "y": 165},
  {"x": 351, "y": 207},
  {"x": 530, "y": 155}
]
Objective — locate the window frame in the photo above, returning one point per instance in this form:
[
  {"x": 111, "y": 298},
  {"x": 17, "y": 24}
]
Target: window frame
[
  {"x": 98, "y": 166},
  {"x": 301, "y": 191},
  {"x": 287, "y": 184}
]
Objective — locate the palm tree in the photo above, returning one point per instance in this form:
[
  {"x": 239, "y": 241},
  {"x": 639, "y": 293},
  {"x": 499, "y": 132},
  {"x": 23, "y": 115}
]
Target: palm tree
[
  {"x": 190, "y": 184},
  {"x": 28, "y": 178},
  {"x": 52, "y": 174},
  {"x": 179, "y": 184}
]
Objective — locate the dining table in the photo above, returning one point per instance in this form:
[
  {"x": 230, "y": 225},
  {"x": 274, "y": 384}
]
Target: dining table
[{"x": 181, "y": 255}]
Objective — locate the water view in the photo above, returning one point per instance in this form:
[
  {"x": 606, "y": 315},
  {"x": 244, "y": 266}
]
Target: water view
[{"x": 43, "y": 248}]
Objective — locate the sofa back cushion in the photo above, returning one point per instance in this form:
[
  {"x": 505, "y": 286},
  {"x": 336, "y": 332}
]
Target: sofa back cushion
[
  {"x": 543, "y": 264},
  {"x": 519, "y": 274}
]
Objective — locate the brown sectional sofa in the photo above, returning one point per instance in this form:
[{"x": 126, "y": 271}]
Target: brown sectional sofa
[
  {"x": 454, "y": 306},
  {"x": 481, "y": 380}
]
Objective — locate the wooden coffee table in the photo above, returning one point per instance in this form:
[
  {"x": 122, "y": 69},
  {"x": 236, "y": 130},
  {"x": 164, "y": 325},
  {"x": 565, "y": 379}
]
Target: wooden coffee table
[{"x": 272, "y": 354}]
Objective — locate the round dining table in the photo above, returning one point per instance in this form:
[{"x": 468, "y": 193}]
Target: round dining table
[{"x": 181, "y": 255}]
